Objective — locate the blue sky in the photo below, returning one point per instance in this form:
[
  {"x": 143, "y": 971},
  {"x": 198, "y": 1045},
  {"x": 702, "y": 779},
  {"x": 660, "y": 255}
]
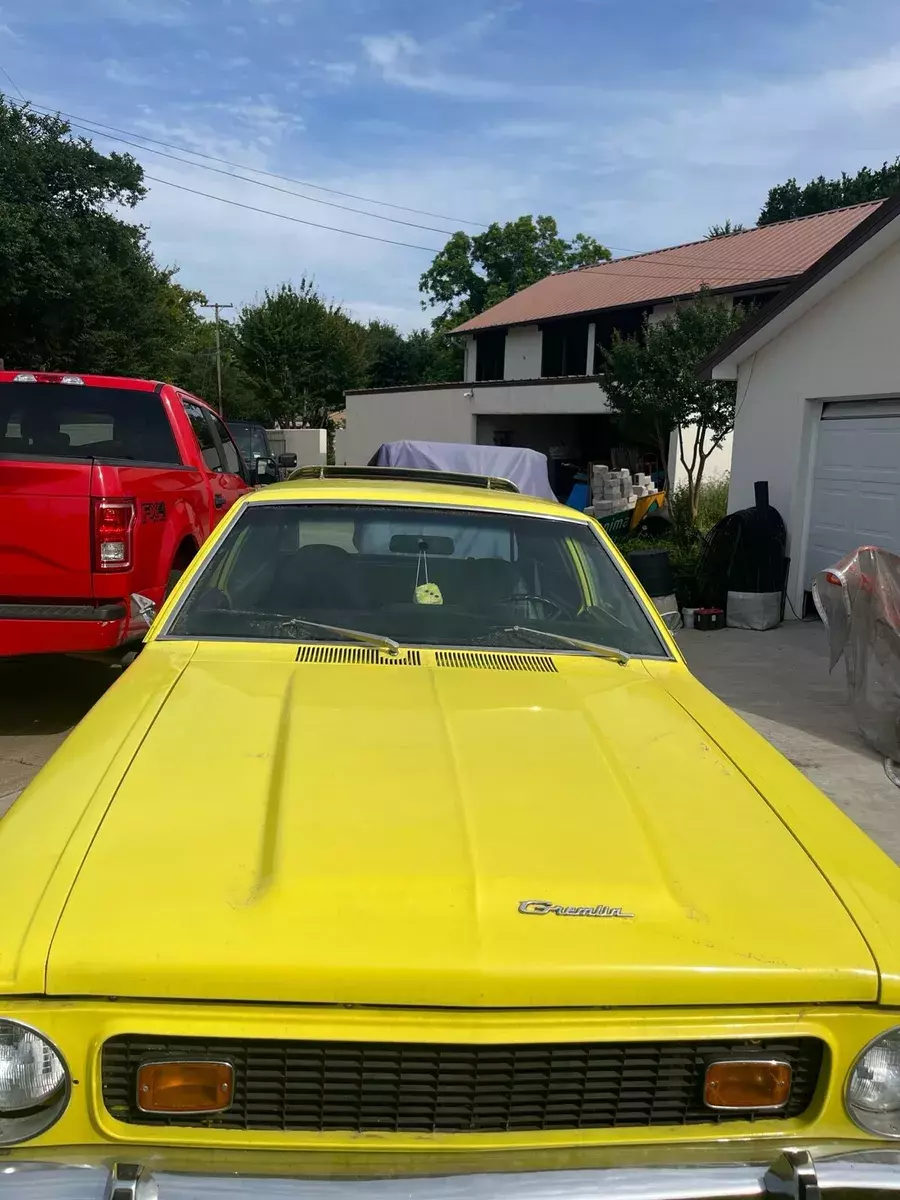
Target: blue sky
[{"x": 640, "y": 123}]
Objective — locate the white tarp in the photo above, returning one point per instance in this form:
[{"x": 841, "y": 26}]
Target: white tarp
[{"x": 527, "y": 469}]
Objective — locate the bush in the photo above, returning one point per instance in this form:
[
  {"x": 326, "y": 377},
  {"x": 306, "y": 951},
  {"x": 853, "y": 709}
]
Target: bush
[{"x": 686, "y": 540}]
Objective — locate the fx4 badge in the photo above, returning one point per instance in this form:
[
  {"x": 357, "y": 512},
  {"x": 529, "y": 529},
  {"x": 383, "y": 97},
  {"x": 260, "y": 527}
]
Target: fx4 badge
[{"x": 540, "y": 908}]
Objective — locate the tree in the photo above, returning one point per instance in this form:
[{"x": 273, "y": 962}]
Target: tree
[
  {"x": 789, "y": 200},
  {"x": 472, "y": 273},
  {"x": 79, "y": 288},
  {"x": 300, "y": 353},
  {"x": 435, "y": 357},
  {"x": 652, "y": 381},
  {"x": 418, "y": 358},
  {"x": 726, "y": 230},
  {"x": 194, "y": 369}
]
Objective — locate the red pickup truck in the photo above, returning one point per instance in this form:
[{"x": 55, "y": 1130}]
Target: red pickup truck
[{"x": 107, "y": 488}]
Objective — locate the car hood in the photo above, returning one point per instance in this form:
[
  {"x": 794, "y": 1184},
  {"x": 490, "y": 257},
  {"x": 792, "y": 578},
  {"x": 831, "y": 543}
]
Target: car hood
[{"x": 402, "y": 833}]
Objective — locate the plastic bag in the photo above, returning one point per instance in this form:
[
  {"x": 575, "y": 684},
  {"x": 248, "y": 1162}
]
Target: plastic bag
[
  {"x": 859, "y": 601},
  {"x": 753, "y": 610}
]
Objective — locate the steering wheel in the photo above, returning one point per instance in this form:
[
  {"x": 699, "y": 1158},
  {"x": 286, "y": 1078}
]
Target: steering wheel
[{"x": 555, "y": 609}]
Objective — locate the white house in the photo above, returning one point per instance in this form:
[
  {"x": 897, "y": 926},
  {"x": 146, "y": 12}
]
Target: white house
[
  {"x": 532, "y": 361},
  {"x": 818, "y": 401}
]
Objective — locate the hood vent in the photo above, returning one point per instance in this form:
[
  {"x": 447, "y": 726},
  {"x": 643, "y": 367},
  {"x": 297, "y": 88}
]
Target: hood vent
[
  {"x": 358, "y": 656},
  {"x": 480, "y": 660}
]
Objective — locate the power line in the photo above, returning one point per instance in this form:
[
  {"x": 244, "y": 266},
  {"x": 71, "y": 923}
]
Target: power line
[
  {"x": 12, "y": 82},
  {"x": 267, "y": 212},
  {"x": 259, "y": 171},
  {"x": 257, "y": 182},
  {"x": 98, "y": 128}
]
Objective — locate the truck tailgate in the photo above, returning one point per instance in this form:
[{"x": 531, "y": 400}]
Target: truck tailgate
[{"x": 45, "y": 530}]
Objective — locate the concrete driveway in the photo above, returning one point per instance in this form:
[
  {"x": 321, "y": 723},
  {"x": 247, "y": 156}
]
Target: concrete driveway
[
  {"x": 778, "y": 681},
  {"x": 40, "y": 700}
]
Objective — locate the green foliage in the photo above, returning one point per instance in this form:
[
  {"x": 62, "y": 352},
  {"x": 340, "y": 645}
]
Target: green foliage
[
  {"x": 686, "y": 540},
  {"x": 195, "y": 370},
  {"x": 652, "y": 382},
  {"x": 726, "y": 230},
  {"x": 472, "y": 273},
  {"x": 79, "y": 288},
  {"x": 789, "y": 200},
  {"x": 300, "y": 353},
  {"x": 420, "y": 357}
]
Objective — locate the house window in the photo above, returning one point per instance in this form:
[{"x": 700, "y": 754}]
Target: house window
[
  {"x": 490, "y": 353},
  {"x": 628, "y": 321},
  {"x": 564, "y": 348}
]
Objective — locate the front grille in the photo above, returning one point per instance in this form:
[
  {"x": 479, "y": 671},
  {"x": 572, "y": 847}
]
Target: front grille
[{"x": 427, "y": 1088}]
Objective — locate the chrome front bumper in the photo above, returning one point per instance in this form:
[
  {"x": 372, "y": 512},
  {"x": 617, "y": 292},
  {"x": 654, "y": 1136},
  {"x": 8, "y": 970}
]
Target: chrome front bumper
[{"x": 791, "y": 1174}]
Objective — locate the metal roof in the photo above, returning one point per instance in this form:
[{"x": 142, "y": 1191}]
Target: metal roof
[{"x": 767, "y": 254}]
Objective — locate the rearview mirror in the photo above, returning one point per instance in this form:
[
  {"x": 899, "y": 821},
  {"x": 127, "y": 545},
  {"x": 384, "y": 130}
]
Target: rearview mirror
[{"x": 287, "y": 460}]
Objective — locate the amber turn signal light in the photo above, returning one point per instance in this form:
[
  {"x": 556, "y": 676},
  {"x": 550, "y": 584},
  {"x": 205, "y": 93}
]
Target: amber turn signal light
[
  {"x": 747, "y": 1084},
  {"x": 185, "y": 1087}
]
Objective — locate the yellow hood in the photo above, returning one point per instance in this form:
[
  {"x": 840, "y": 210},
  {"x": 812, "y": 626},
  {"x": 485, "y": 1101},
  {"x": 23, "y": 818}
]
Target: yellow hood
[{"x": 369, "y": 834}]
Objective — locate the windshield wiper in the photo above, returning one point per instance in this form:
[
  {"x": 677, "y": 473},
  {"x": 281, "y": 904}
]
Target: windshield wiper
[
  {"x": 353, "y": 635},
  {"x": 610, "y": 652}
]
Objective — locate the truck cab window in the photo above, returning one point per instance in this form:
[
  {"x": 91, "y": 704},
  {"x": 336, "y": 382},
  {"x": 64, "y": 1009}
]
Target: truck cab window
[{"x": 204, "y": 435}]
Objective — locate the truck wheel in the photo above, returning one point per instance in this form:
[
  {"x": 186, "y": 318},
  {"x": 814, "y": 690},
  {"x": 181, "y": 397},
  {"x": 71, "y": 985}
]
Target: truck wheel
[{"x": 174, "y": 575}]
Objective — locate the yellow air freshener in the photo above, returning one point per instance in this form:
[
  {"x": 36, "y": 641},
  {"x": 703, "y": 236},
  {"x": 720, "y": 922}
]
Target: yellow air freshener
[{"x": 428, "y": 593}]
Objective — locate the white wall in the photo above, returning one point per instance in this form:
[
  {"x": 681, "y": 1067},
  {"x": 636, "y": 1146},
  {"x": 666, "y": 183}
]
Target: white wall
[
  {"x": 310, "y": 445},
  {"x": 846, "y": 346},
  {"x": 524, "y": 347},
  {"x": 448, "y": 414},
  {"x": 439, "y": 415},
  {"x": 470, "y": 360}
]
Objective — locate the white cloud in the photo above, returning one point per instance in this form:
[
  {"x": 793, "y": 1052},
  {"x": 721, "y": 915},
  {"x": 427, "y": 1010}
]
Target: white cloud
[
  {"x": 123, "y": 74},
  {"x": 337, "y": 72},
  {"x": 403, "y": 61},
  {"x": 141, "y": 12}
]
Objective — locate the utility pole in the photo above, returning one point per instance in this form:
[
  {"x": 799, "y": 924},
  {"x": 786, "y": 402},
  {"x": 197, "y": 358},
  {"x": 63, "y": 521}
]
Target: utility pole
[{"x": 218, "y": 308}]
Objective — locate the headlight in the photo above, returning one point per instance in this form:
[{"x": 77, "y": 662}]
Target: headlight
[
  {"x": 34, "y": 1083},
  {"x": 873, "y": 1087}
]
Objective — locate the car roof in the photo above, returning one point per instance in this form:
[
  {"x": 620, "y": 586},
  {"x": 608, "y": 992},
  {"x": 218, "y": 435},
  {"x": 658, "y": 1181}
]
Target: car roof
[{"x": 406, "y": 491}]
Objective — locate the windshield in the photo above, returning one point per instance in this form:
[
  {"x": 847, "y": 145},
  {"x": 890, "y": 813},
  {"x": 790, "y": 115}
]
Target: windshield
[
  {"x": 251, "y": 440},
  {"x": 419, "y": 576},
  {"x": 53, "y": 421}
]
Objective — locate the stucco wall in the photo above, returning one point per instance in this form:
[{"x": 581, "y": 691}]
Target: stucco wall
[
  {"x": 448, "y": 414},
  {"x": 443, "y": 415},
  {"x": 470, "y": 357},
  {"x": 524, "y": 347},
  {"x": 310, "y": 445},
  {"x": 846, "y": 346}
]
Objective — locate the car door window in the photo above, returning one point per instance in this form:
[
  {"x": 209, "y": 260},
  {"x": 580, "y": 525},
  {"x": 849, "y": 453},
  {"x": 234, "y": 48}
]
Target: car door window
[
  {"x": 231, "y": 458},
  {"x": 203, "y": 432}
]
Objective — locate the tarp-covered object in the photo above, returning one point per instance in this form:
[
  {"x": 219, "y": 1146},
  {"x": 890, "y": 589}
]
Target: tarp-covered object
[
  {"x": 859, "y": 601},
  {"x": 527, "y": 469}
]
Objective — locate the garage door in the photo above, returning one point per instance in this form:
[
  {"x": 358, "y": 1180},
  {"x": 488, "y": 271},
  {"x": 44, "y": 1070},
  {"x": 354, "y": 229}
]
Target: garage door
[{"x": 856, "y": 483}]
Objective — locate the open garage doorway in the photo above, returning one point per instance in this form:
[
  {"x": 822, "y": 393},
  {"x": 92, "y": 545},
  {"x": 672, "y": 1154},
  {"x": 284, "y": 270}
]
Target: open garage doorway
[{"x": 571, "y": 441}]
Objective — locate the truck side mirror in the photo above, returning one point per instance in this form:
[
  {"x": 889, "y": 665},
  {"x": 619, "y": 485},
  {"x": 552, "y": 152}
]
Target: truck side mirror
[{"x": 287, "y": 460}]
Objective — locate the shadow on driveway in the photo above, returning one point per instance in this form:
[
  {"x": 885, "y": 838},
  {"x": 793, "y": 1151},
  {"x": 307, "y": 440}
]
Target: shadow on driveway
[{"x": 40, "y": 700}]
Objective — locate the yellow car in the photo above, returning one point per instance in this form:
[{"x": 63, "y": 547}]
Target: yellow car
[{"x": 410, "y": 849}]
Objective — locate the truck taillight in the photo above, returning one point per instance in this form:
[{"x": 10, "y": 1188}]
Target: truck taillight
[{"x": 113, "y": 533}]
